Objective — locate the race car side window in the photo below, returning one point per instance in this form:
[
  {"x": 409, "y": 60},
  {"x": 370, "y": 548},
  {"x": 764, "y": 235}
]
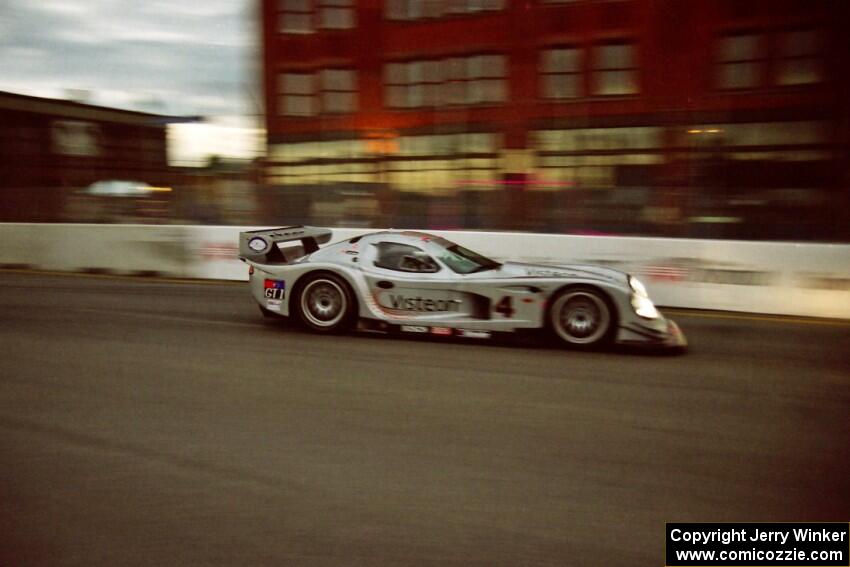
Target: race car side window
[{"x": 404, "y": 258}]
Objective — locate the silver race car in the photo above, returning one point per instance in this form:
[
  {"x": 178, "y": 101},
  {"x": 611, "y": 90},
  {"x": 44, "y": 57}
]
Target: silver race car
[{"x": 420, "y": 283}]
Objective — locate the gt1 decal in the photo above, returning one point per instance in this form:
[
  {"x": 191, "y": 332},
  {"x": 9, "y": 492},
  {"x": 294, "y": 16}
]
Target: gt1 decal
[
  {"x": 423, "y": 304},
  {"x": 414, "y": 329},
  {"x": 274, "y": 289},
  {"x": 273, "y": 293}
]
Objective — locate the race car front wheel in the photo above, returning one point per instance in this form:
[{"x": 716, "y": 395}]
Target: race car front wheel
[
  {"x": 582, "y": 318},
  {"x": 326, "y": 304}
]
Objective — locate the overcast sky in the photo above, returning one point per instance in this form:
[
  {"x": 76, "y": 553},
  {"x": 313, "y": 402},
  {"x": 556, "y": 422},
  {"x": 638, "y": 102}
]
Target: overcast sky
[{"x": 171, "y": 56}]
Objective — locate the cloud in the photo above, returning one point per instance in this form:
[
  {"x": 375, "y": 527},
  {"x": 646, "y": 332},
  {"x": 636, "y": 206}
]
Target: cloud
[{"x": 180, "y": 57}]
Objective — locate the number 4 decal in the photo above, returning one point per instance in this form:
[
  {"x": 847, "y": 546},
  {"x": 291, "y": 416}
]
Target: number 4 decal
[{"x": 505, "y": 306}]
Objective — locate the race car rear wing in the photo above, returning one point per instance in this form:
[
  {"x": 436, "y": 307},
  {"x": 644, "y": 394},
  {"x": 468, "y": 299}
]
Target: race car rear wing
[{"x": 262, "y": 246}]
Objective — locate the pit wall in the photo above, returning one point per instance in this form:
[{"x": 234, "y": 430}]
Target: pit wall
[{"x": 755, "y": 277}]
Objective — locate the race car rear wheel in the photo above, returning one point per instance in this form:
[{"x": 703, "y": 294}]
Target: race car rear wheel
[
  {"x": 325, "y": 303},
  {"x": 582, "y": 318}
]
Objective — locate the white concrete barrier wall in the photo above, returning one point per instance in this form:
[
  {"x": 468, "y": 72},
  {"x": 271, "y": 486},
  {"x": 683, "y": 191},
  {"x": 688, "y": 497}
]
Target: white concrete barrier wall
[
  {"x": 124, "y": 249},
  {"x": 757, "y": 277}
]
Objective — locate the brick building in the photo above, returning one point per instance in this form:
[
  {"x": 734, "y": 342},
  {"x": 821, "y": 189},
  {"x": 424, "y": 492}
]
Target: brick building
[
  {"x": 720, "y": 118},
  {"x": 51, "y": 148}
]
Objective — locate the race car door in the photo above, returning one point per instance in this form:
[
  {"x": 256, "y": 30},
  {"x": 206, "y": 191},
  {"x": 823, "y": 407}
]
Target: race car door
[{"x": 408, "y": 285}]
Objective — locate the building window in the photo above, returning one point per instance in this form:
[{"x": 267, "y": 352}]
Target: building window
[
  {"x": 76, "y": 138},
  {"x": 296, "y": 94},
  {"x": 395, "y": 9},
  {"x": 614, "y": 70},
  {"x": 339, "y": 91},
  {"x": 478, "y": 79},
  {"x": 561, "y": 73},
  {"x": 471, "y": 6},
  {"x": 801, "y": 62},
  {"x": 475, "y": 80},
  {"x": 337, "y": 14},
  {"x": 329, "y": 91},
  {"x": 486, "y": 81},
  {"x": 740, "y": 61},
  {"x": 598, "y": 157},
  {"x": 396, "y": 82},
  {"x": 403, "y": 10},
  {"x": 295, "y": 16},
  {"x": 304, "y": 16}
]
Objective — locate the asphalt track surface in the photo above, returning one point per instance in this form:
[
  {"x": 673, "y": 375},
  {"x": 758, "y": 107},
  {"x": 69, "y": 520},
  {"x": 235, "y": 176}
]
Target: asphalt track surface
[{"x": 157, "y": 423}]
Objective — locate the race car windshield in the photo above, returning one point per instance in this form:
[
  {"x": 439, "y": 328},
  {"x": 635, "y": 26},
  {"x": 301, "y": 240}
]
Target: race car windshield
[{"x": 465, "y": 261}]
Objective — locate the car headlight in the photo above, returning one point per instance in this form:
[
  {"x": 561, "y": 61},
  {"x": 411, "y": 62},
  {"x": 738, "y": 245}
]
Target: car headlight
[
  {"x": 644, "y": 307},
  {"x": 641, "y": 303},
  {"x": 638, "y": 287}
]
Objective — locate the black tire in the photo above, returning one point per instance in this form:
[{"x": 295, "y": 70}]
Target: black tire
[
  {"x": 582, "y": 318},
  {"x": 325, "y": 303}
]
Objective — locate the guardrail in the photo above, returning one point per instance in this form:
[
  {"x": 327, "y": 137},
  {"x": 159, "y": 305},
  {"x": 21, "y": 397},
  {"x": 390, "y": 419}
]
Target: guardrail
[{"x": 756, "y": 277}]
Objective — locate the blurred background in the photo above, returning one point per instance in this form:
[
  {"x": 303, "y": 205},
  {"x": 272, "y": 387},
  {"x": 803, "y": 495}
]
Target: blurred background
[{"x": 721, "y": 119}]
